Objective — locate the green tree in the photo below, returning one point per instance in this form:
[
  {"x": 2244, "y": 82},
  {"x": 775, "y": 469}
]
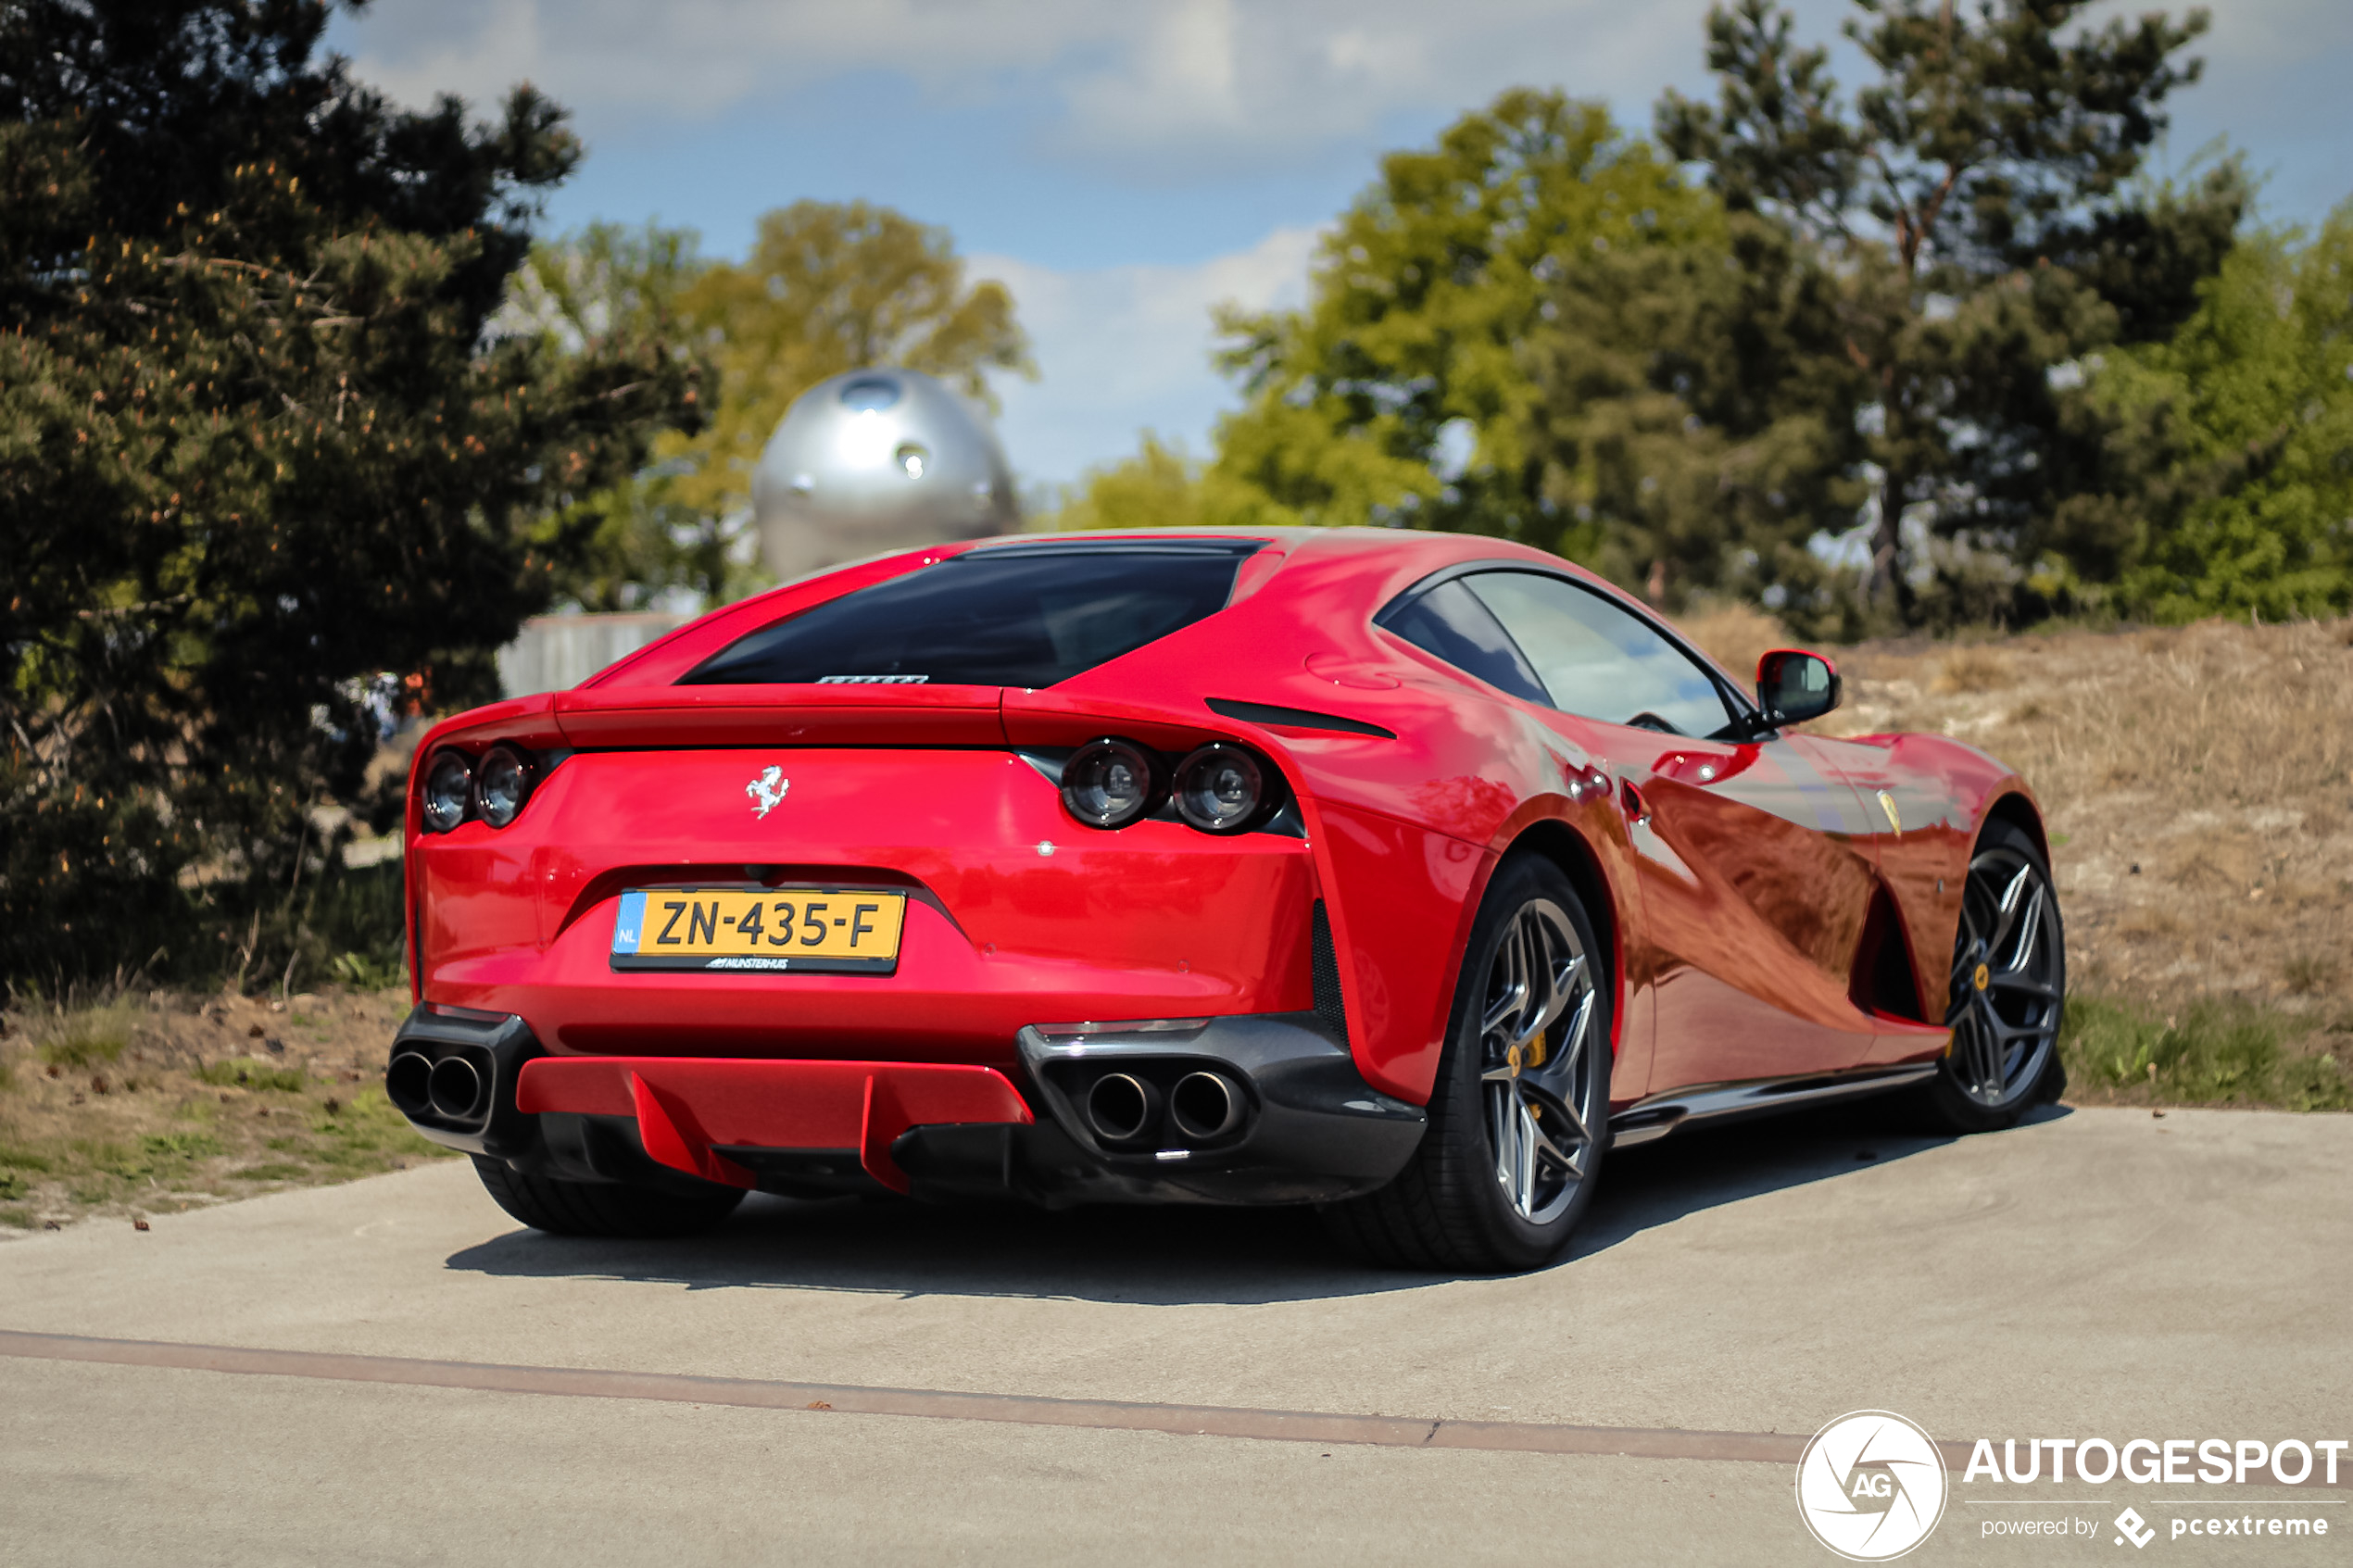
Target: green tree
[
  {"x": 1977, "y": 200},
  {"x": 1162, "y": 487},
  {"x": 828, "y": 287},
  {"x": 1402, "y": 392},
  {"x": 1697, "y": 416},
  {"x": 621, "y": 548},
  {"x": 2247, "y": 414},
  {"x": 256, "y": 449}
]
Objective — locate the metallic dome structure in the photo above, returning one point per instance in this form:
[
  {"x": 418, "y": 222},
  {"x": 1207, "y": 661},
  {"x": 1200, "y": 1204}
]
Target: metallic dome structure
[{"x": 873, "y": 461}]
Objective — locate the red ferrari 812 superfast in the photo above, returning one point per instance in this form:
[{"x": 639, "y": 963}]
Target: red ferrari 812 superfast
[{"x": 1400, "y": 874}]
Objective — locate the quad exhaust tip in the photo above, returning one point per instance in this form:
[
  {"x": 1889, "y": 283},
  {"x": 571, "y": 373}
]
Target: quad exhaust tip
[
  {"x": 1122, "y": 1107},
  {"x": 451, "y": 1089},
  {"x": 407, "y": 1083},
  {"x": 454, "y": 1088},
  {"x": 1205, "y": 1106}
]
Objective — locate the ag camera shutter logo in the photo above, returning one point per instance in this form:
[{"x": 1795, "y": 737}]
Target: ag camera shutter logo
[{"x": 1872, "y": 1486}]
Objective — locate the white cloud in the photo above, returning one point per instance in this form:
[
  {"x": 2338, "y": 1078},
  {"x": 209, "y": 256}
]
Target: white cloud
[
  {"x": 1204, "y": 91},
  {"x": 1193, "y": 85},
  {"x": 1190, "y": 88},
  {"x": 692, "y": 58},
  {"x": 1123, "y": 349}
]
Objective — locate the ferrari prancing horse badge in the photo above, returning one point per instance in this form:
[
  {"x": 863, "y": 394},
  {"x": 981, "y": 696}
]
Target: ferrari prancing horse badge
[{"x": 767, "y": 790}]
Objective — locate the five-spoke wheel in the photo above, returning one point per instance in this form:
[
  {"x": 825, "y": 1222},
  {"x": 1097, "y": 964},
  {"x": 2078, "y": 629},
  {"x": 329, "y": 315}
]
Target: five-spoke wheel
[
  {"x": 1534, "y": 1031},
  {"x": 1519, "y": 1112},
  {"x": 2009, "y": 987}
]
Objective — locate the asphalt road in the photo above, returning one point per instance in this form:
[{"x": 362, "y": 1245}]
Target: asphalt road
[{"x": 2096, "y": 1273}]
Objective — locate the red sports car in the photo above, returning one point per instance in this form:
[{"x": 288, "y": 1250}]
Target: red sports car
[{"x": 1400, "y": 874}]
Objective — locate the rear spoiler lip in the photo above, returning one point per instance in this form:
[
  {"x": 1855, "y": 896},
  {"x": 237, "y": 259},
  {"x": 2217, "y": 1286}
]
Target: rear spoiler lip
[{"x": 652, "y": 718}]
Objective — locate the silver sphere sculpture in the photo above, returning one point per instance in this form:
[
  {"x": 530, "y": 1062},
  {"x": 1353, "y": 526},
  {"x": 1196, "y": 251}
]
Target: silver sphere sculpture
[{"x": 875, "y": 461}]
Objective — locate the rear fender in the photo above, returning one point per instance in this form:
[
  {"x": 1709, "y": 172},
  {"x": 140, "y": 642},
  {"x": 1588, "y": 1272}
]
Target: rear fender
[{"x": 1401, "y": 851}]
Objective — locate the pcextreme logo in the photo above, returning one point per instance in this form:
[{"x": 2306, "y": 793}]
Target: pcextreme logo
[{"x": 1870, "y": 1486}]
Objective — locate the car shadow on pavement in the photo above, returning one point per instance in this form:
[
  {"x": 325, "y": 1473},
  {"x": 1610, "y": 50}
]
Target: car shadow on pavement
[
  {"x": 1177, "y": 1256},
  {"x": 1654, "y": 1185}
]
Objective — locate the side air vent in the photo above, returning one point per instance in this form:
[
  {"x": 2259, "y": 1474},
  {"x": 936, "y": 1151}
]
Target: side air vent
[
  {"x": 1294, "y": 718},
  {"x": 1324, "y": 966},
  {"x": 1883, "y": 976}
]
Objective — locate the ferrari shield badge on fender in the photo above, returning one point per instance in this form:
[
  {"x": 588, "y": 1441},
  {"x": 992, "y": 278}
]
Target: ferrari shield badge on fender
[{"x": 767, "y": 790}]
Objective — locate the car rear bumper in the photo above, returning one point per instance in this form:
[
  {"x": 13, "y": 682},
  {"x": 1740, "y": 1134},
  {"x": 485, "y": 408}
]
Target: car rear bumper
[{"x": 1301, "y": 1123}]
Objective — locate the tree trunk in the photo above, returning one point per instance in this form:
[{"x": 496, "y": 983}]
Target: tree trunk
[{"x": 1885, "y": 584}]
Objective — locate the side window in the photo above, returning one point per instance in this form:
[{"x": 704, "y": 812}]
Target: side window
[
  {"x": 1452, "y": 623},
  {"x": 1599, "y": 662}
]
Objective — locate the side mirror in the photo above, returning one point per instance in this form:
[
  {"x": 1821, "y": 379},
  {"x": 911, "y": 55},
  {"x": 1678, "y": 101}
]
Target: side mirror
[{"x": 1793, "y": 685}]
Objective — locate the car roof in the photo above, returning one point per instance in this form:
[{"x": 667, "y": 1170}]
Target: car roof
[{"x": 1412, "y": 543}]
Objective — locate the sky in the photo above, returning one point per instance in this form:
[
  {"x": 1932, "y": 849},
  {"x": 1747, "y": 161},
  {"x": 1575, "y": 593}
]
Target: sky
[{"x": 1124, "y": 165}]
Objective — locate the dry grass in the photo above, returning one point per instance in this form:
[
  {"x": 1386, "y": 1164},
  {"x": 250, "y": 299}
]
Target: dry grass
[
  {"x": 165, "y": 1102},
  {"x": 1978, "y": 668},
  {"x": 2194, "y": 784},
  {"x": 1735, "y": 635}
]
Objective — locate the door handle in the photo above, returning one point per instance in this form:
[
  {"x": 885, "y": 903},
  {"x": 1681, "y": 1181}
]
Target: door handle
[{"x": 1630, "y": 801}]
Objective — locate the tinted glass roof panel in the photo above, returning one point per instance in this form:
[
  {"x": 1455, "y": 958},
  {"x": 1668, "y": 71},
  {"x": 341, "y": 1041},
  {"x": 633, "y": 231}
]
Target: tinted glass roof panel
[{"x": 1011, "y": 615}]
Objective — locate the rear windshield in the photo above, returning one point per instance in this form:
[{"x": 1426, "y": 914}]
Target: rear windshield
[{"x": 1016, "y": 615}]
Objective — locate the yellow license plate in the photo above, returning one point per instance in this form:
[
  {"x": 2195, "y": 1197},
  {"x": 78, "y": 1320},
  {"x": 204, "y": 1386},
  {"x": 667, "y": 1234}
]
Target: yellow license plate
[{"x": 774, "y": 930}]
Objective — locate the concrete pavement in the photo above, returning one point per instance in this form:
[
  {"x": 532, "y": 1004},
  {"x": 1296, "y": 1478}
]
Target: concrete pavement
[{"x": 2096, "y": 1273}]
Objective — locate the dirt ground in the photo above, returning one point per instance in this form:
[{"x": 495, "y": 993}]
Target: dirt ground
[{"x": 160, "y": 1102}]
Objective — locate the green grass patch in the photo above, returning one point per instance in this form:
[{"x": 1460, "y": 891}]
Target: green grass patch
[
  {"x": 2217, "y": 1051},
  {"x": 367, "y": 1134},
  {"x": 153, "y": 1154},
  {"x": 252, "y": 1075},
  {"x": 179, "y": 1146},
  {"x": 15, "y": 1159},
  {"x": 17, "y": 1219},
  {"x": 274, "y": 1171},
  {"x": 13, "y": 1186},
  {"x": 363, "y": 971},
  {"x": 89, "y": 1040}
]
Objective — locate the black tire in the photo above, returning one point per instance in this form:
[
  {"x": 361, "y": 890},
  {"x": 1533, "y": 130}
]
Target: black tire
[
  {"x": 1466, "y": 1201},
  {"x": 2008, "y": 997},
  {"x": 605, "y": 1208}
]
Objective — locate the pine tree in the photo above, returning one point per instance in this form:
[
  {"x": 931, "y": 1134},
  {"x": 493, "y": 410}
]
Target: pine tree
[
  {"x": 1697, "y": 418},
  {"x": 1978, "y": 201}
]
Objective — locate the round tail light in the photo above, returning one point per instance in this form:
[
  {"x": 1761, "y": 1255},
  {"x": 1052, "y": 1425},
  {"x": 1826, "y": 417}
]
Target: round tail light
[
  {"x": 1108, "y": 784},
  {"x": 1221, "y": 789},
  {"x": 502, "y": 785},
  {"x": 448, "y": 791}
]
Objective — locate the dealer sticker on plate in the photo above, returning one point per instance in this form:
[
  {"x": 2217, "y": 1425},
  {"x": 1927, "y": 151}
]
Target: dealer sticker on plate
[{"x": 796, "y": 930}]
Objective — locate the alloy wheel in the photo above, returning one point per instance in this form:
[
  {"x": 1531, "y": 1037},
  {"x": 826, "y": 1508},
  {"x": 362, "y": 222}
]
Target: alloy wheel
[
  {"x": 2005, "y": 1008},
  {"x": 1535, "y": 1038}
]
